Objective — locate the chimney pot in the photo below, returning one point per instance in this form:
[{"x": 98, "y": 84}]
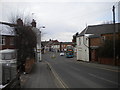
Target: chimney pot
[
  {"x": 19, "y": 22},
  {"x": 33, "y": 23}
]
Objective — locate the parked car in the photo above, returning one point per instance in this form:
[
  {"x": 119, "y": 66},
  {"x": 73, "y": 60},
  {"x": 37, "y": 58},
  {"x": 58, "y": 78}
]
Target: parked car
[{"x": 62, "y": 54}]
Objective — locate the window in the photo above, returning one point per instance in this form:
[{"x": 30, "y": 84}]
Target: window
[
  {"x": 79, "y": 41},
  {"x": 2, "y": 42},
  {"x": 85, "y": 40},
  {"x": 103, "y": 38}
]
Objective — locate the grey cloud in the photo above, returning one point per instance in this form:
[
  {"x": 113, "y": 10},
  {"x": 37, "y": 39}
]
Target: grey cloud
[{"x": 62, "y": 17}]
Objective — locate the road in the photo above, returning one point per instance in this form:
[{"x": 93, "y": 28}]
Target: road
[{"x": 78, "y": 74}]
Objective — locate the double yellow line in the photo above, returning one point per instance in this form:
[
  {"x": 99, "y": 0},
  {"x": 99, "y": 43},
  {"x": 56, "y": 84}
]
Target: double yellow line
[{"x": 57, "y": 76}]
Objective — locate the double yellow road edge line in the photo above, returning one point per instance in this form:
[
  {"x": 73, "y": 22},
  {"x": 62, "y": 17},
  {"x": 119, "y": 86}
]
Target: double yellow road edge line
[{"x": 57, "y": 76}]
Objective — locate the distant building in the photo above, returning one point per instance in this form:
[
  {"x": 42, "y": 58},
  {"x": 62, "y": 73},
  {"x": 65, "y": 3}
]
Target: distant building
[
  {"x": 55, "y": 45},
  {"x": 63, "y": 45},
  {"x": 49, "y": 45}
]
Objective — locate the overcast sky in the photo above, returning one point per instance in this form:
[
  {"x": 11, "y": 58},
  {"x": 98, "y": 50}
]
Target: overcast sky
[{"x": 62, "y": 18}]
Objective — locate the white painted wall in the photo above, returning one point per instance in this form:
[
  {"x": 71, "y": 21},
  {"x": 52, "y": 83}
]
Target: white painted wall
[
  {"x": 82, "y": 48},
  {"x": 56, "y": 47},
  {"x": 38, "y": 34}
]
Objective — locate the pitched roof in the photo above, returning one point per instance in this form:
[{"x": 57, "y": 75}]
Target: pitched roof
[
  {"x": 56, "y": 43},
  {"x": 67, "y": 43},
  {"x": 97, "y": 30},
  {"x": 6, "y": 30},
  {"x": 44, "y": 43}
]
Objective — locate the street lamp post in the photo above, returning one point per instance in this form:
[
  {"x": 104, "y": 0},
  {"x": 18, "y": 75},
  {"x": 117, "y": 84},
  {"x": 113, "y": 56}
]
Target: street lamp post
[
  {"x": 38, "y": 37},
  {"x": 40, "y": 48}
]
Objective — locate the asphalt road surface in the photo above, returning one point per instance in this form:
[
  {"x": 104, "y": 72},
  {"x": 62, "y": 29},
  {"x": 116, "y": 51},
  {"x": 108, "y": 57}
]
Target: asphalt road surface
[{"x": 78, "y": 74}]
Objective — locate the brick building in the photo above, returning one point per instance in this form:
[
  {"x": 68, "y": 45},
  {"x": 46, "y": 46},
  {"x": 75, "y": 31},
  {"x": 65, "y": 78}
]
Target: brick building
[
  {"x": 93, "y": 37},
  {"x": 63, "y": 45},
  {"x": 7, "y": 37},
  {"x": 7, "y": 42}
]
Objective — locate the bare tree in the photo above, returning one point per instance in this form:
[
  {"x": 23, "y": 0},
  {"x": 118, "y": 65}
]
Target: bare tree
[
  {"x": 25, "y": 38},
  {"x": 25, "y": 43},
  {"x": 27, "y": 18}
]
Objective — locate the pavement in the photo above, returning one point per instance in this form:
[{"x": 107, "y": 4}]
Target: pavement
[{"x": 40, "y": 77}]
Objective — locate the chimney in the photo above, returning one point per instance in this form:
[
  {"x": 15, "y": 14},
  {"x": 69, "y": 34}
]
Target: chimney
[
  {"x": 19, "y": 22},
  {"x": 33, "y": 23}
]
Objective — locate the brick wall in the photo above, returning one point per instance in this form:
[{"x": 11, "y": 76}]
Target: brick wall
[
  {"x": 110, "y": 36},
  {"x": 7, "y": 43},
  {"x": 95, "y": 41}
]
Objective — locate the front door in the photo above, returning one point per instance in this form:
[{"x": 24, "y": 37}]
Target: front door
[{"x": 94, "y": 57}]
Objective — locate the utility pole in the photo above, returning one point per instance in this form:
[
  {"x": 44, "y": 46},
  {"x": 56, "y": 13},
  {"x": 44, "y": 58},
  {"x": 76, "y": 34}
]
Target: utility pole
[
  {"x": 114, "y": 35},
  {"x": 40, "y": 59}
]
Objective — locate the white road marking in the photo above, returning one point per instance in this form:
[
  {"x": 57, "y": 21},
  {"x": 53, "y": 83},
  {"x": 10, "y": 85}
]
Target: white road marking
[
  {"x": 95, "y": 66},
  {"x": 57, "y": 77},
  {"x": 103, "y": 79}
]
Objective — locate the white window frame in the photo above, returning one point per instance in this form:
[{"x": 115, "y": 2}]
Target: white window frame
[
  {"x": 103, "y": 38},
  {"x": 3, "y": 40},
  {"x": 79, "y": 41}
]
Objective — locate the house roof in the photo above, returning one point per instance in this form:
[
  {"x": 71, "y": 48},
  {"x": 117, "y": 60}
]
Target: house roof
[
  {"x": 7, "y": 51},
  {"x": 51, "y": 42},
  {"x": 56, "y": 43},
  {"x": 67, "y": 43},
  {"x": 6, "y": 30},
  {"x": 44, "y": 43},
  {"x": 97, "y": 30}
]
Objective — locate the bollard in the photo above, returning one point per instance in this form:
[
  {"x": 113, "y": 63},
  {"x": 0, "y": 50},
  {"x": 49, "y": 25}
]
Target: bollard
[{"x": 53, "y": 56}]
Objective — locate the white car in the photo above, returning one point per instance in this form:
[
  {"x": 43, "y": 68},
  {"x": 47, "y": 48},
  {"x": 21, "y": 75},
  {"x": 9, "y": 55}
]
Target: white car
[{"x": 62, "y": 54}]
